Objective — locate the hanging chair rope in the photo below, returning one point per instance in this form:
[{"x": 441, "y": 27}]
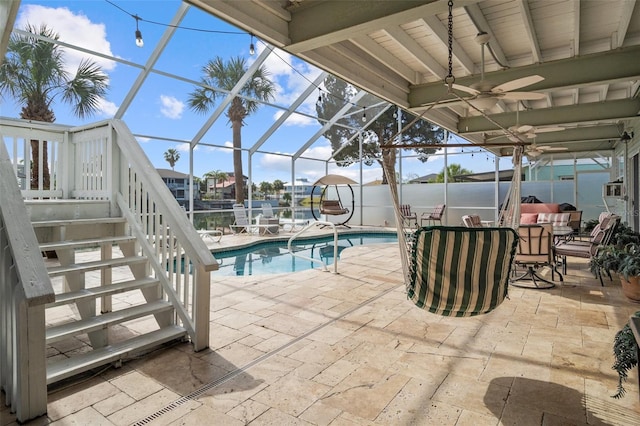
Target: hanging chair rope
[{"x": 456, "y": 271}]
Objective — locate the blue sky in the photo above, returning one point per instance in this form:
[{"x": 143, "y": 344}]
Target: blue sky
[{"x": 159, "y": 109}]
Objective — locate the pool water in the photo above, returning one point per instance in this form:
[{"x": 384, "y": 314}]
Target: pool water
[{"x": 272, "y": 257}]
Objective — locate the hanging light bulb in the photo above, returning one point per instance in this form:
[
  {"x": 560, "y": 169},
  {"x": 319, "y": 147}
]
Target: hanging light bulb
[
  {"x": 139, "y": 41},
  {"x": 252, "y": 48},
  {"x": 364, "y": 114}
]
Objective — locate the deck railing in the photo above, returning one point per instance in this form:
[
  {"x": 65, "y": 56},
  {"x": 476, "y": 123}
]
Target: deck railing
[{"x": 25, "y": 288}]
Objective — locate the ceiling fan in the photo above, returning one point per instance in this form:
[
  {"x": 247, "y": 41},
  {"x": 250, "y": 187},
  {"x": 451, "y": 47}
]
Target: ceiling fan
[
  {"x": 486, "y": 93},
  {"x": 534, "y": 150},
  {"x": 517, "y": 132}
]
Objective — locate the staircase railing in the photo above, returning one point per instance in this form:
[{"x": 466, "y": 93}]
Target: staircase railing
[
  {"x": 180, "y": 258},
  {"x": 25, "y": 288}
]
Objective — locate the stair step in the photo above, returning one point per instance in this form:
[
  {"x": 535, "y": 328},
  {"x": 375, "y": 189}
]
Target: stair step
[
  {"x": 60, "y": 370},
  {"x": 94, "y": 292},
  {"x": 71, "y": 222},
  {"x": 92, "y": 242},
  {"x": 100, "y": 322},
  {"x": 55, "y": 271}
]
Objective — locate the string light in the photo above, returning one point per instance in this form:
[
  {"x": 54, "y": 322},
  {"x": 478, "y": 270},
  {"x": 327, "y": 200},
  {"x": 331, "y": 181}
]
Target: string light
[{"x": 139, "y": 41}]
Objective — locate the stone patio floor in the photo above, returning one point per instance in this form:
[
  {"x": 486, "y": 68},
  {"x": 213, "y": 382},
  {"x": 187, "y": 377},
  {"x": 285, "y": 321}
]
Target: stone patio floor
[{"x": 314, "y": 348}]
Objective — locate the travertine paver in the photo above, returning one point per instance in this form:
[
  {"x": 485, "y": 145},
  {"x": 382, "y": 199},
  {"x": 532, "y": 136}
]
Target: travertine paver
[{"x": 314, "y": 348}]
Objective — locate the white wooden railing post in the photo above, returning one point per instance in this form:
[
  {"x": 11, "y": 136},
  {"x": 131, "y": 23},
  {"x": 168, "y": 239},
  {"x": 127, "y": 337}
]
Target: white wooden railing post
[
  {"x": 25, "y": 288},
  {"x": 201, "y": 303},
  {"x": 30, "y": 367}
]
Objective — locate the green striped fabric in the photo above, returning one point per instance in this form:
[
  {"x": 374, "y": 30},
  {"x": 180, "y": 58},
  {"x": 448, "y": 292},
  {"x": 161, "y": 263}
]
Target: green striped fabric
[{"x": 458, "y": 271}]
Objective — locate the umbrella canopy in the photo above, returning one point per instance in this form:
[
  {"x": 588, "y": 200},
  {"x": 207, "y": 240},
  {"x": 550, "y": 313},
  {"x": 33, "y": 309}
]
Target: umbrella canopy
[{"x": 334, "y": 180}]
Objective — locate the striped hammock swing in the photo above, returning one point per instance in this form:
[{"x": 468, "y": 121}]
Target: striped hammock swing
[{"x": 459, "y": 271}]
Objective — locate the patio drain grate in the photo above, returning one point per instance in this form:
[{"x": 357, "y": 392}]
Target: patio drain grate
[{"x": 195, "y": 394}]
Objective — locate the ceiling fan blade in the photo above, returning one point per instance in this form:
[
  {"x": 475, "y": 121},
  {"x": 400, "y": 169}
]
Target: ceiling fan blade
[
  {"x": 552, "y": 148},
  {"x": 518, "y": 83},
  {"x": 547, "y": 129},
  {"x": 524, "y": 128},
  {"x": 466, "y": 89},
  {"x": 521, "y": 96}
]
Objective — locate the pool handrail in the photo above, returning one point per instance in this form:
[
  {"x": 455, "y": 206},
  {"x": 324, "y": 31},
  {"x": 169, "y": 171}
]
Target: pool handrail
[{"x": 335, "y": 245}]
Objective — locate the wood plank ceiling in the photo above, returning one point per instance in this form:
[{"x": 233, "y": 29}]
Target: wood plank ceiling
[{"x": 588, "y": 53}]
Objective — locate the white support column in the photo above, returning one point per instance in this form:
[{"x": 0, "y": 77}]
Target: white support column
[
  {"x": 202, "y": 293},
  {"x": 191, "y": 191},
  {"x": 360, "y": 190},
  {"x": 30, "y": 392},
  {"x": 496, "y": 192}
]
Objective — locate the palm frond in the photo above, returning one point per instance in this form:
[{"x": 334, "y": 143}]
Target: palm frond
[{"x": 86, "y": 89}]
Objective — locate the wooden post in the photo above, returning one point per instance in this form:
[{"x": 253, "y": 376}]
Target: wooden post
[
  {"x": 201, "y": 295},
  {"x": 30, "y": 378}
]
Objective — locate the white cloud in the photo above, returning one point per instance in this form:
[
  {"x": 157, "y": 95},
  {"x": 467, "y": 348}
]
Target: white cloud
[
  {"x": 75, "y": 29},
  {"x": 171, "y": 107},
  {"x": 295, "y": 119},
  {"x": 291, "y": 77},
  {"x": 107, "y": 108},
  {"x": 142, "y": 140},
  {"x": 185, "y": 147}
]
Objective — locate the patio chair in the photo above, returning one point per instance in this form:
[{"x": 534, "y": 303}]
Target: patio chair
[
  {"x": 575, "y": 221},
  {"x": 535, "y": 251},
  {"x": 588, "y": 249},
  {"x": 242, "y": 223},
  {"x": 436, "y": 214},
  {"x": 268, "y": 219},
  {"x": 213, "y": 234},
  {"x": 267, "y": 211},
  {"x": 408, "y": 216},
  {"x": 472, "y": 221}
]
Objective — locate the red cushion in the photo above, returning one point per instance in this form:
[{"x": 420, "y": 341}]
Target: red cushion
[{"x": 528, "y": 218}]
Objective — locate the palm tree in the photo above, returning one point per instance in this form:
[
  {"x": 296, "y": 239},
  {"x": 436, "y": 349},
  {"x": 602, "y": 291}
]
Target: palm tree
[
  {"x": 216, "y": 175},
  {"x": 225, "y": 75},
  {"x": 452, "y": 170},
  {"x": 266, "y": 188},
  {"x": 278, "y": 186},
  {"x": 171, "y": 156},
  {"x": 33, "y": 74}
]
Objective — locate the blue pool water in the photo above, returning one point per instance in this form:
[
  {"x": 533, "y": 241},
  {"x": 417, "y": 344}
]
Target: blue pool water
[{"x": 272, "y": 257}]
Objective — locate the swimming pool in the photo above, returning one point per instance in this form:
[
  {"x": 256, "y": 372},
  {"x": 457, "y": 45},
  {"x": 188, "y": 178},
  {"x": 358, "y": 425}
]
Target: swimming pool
[{"x": 272, "y": 257}]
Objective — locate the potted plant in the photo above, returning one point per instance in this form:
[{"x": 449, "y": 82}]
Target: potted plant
[
  {"x": 625, "y": 352},
  {"x": 622, "y": 257},
  {"x": 607, "y": 259},
  {"x": 629, "y": 270}
]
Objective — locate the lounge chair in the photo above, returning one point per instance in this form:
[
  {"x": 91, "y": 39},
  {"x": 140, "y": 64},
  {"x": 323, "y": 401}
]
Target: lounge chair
[
  {"x": 267, "y": 218},
  {"x": 242, "y": 223}
]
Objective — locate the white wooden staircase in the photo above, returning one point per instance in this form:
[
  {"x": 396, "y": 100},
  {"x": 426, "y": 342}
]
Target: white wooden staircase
[
  {"x": 131, "y": 272},
  {"x": 97, "y": 259}
]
